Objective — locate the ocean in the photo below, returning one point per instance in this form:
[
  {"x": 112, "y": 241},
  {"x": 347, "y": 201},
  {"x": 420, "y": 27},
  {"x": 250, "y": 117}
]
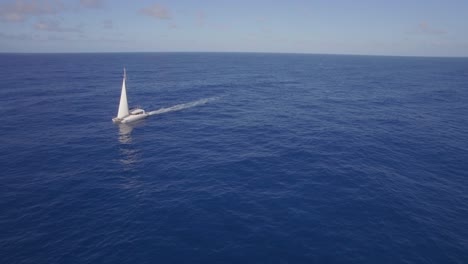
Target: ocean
[{"x": 249, "y": 158}]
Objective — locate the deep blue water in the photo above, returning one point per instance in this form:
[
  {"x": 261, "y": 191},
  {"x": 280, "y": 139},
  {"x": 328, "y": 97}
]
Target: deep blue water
[{"x": 294, "y": 159}]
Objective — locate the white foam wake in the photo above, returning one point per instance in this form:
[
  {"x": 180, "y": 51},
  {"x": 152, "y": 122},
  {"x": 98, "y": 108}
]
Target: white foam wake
[{"x": 182, "y": 106}]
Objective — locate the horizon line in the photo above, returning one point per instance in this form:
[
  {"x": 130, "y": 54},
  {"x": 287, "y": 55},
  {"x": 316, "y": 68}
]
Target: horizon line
[{"x": 248, "y": 52}]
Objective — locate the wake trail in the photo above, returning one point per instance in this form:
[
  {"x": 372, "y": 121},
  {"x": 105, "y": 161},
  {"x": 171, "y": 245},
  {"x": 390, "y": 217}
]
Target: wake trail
[{"x": 182, "y": 106}]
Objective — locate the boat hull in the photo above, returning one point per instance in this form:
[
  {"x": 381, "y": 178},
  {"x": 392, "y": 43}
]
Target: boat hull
[{"x": 129, "y": 118}]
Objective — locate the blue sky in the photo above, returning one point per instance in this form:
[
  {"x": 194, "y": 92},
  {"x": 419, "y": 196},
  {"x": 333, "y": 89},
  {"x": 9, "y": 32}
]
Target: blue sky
[{"x": 412, "y": 27}]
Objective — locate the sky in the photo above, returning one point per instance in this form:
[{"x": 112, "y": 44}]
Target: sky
[{"x": 368, "y": 27}]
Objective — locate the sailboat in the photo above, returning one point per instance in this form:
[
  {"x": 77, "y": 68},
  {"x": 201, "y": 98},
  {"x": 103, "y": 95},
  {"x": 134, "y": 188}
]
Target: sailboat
[{"x": 125, "y": 115}]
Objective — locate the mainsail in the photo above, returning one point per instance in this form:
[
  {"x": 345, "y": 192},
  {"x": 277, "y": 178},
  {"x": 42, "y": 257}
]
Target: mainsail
[{"x": 123, "y": 106}]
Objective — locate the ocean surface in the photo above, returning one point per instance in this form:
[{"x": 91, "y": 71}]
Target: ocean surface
[{"x": 248, "y": 158}]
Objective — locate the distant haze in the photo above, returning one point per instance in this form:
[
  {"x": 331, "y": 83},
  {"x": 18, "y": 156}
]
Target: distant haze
[{"x": 407, "y": 28}]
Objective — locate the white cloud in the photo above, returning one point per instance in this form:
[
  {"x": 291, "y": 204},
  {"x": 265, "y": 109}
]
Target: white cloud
[
  {"x": 425, "y": 29},
  {"x": 20, "y": 10},
  {"x": 156, "y": 11},
  {"x": 21, "y": 36},
  {"x": 54, "y": 26}
]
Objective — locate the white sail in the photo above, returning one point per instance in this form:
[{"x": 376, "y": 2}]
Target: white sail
[
  {"x": 123, "y": 106},
  {"x": 124, "y": 116}
]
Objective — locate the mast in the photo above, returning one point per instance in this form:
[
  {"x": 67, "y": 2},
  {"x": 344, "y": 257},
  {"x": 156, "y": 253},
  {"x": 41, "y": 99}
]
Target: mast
[{"x": 123, "y": 105}]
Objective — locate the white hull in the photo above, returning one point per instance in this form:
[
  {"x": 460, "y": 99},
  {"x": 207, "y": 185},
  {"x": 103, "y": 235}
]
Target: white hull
[{"x": 129, "y": 118}]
